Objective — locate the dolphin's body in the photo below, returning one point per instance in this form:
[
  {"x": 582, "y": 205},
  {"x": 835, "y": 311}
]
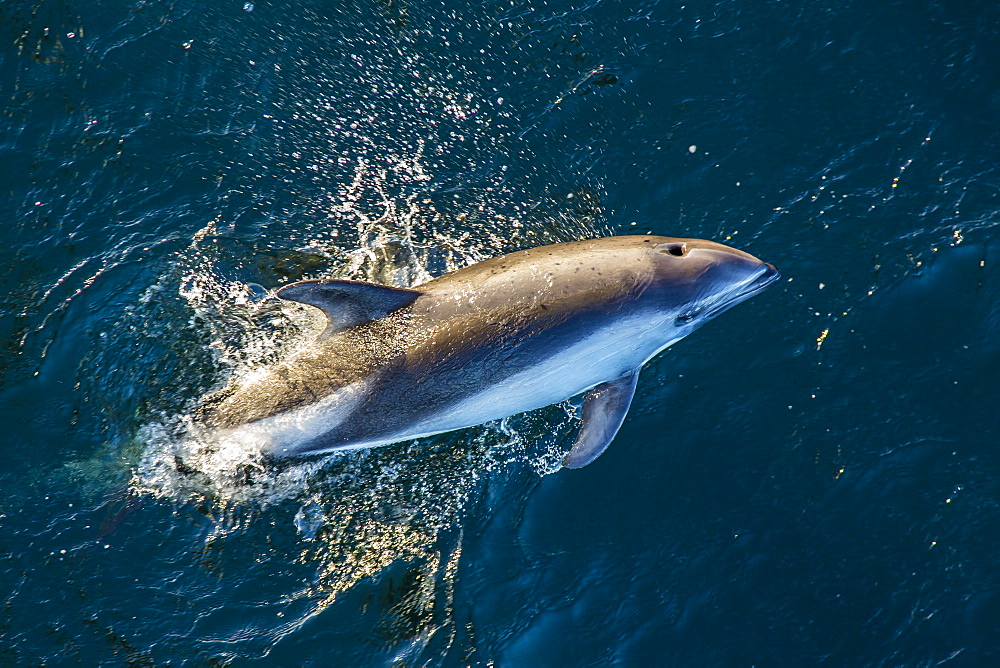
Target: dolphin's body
[{"x": 500, "y": 337}]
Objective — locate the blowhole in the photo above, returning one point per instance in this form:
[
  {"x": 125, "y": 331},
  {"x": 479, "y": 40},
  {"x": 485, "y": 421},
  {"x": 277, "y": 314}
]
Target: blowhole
[{"x": 676, "y": 249}]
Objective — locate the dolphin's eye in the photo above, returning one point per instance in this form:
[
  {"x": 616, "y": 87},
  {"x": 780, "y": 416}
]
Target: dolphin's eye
[{"x": 679, "y": 249}]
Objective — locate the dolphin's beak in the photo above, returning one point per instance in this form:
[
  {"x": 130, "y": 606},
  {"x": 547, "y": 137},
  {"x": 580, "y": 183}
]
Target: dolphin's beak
[{"x": 770, "y": 275}]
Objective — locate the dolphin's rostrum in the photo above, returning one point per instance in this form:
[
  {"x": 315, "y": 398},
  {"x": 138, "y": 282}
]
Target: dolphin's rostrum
[{"x": 500, "y": 337}]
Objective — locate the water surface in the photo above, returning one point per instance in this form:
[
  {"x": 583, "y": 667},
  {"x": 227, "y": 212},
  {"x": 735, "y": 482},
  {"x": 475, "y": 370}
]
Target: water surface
[{"x": 810, "y": 478}]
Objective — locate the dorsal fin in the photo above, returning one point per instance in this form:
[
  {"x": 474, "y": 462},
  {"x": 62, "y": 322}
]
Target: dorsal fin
[{"x": 348, "y": 303}]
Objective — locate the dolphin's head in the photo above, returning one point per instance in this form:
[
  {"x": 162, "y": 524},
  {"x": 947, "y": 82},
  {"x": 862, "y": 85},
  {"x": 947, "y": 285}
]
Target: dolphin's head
[{"x": 695, "y": 280}]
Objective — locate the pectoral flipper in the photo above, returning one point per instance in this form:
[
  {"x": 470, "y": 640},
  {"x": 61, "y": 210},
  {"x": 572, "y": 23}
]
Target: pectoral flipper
[{"x": 604, "y": 409}]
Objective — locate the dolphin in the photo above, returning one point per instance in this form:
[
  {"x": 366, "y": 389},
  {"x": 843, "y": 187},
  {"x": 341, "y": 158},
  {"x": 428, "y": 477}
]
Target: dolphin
[{"x": 500, "y": 337}]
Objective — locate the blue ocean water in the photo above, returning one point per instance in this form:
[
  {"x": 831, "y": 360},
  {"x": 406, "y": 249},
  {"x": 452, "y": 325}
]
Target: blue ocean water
[{"x": 811, "y": 478}]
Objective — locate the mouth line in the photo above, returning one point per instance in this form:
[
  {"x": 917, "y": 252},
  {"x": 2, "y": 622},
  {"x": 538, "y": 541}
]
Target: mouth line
[
  {"x": 745, "y": 292},
  {"x": 768, "y": 276}
]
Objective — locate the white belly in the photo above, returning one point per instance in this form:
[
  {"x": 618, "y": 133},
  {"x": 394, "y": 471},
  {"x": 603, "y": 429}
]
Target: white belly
[
  {"x": 292, "y": 429},
  {"x": 604, "y": 355}
]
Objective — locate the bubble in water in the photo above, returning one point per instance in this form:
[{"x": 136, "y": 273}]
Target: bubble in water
[
  {"x": 309, "y": 519},
  {"x": 257, "y": 292}
]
